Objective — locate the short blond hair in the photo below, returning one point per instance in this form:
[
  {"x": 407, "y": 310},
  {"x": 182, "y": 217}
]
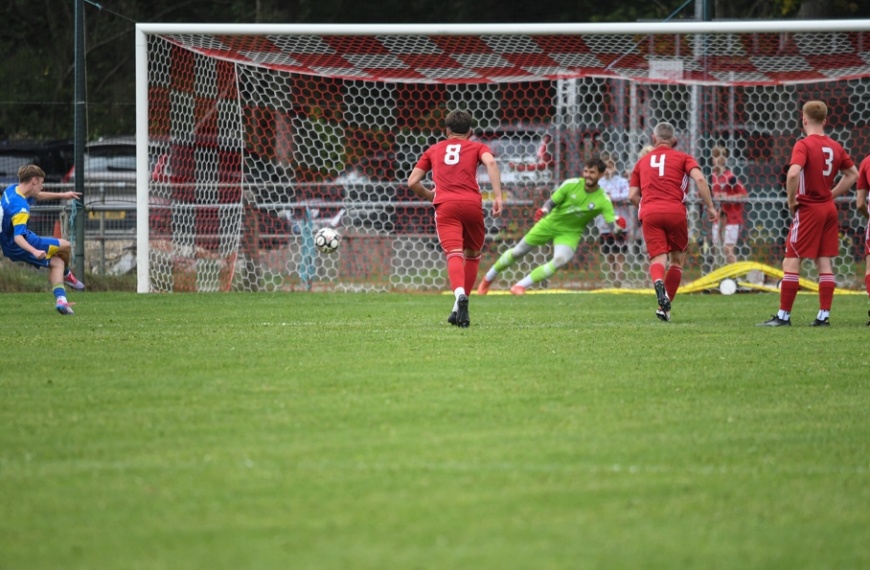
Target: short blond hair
[
  {"x": 719, "y": 150},
  {"x": 645, "y": 150},
  {"x": 29, "y": 172},
  {"x": 816, "y": 111}
]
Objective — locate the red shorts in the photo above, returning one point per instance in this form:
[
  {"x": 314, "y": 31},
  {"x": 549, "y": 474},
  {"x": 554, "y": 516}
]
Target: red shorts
[
  {"x": 665, "y": 232},
  {"x": 814, "y": 232},
  {"x": 460, "y": 225}
]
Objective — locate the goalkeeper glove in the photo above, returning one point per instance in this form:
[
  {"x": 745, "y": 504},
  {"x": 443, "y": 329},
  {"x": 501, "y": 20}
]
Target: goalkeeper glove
[
  {"x": 619, "y": 225},
  {"x": 540, "y": 213}
]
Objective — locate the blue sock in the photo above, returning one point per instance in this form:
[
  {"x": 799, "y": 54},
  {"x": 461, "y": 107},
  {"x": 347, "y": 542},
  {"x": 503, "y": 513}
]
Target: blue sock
[{"x": 59, "y": 292}]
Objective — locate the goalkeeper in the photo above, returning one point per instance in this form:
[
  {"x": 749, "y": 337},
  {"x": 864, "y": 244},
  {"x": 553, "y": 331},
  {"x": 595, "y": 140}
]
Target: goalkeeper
[{"x": 561, "y": 220}]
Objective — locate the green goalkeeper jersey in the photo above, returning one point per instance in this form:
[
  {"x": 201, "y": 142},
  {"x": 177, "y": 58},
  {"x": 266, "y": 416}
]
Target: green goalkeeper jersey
[{"x": 575, "y": 207}]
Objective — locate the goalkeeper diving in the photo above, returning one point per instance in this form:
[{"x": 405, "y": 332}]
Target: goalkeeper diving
[{"x": 560, "y": 221}]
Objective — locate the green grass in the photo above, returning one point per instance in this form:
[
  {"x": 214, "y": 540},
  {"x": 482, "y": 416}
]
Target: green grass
[{"x": 361, "y": 431}]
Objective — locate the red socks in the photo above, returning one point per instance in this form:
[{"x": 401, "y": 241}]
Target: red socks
[
  {"x": 826, "y": 291},
  {"x": 471, "y": 266},
  {"x": 456, "y": 270},
  {"x": 672, "y": 280},
  {"x": 788, "y": 291},
  {"x": 657, "y": 272}
]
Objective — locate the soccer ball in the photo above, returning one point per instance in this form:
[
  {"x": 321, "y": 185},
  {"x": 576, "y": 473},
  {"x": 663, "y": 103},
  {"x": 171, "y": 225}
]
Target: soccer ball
[{"x": 327, "y": 240}]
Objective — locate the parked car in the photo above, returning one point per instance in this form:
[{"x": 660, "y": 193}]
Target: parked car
[
  {"x": 54, "y": 157},
  {"x": 110, "y": 183}
]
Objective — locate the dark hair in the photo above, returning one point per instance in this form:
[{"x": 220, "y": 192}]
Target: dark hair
[
  {"x": 459, "y": 122},
  {"x": 597, "y": 163}
]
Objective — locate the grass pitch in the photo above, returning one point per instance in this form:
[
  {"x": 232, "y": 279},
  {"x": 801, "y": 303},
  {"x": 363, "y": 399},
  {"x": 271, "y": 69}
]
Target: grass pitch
[{"x": 362, "y": 431}]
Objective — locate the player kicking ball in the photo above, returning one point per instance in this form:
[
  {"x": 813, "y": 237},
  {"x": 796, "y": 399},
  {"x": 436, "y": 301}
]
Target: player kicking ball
[
  {"x": 562, "y": 221},
  {"x": 22, "y": 245}
]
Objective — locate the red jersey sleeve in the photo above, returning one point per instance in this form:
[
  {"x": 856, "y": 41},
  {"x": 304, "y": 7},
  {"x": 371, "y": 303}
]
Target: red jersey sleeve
[{"x": 864, "y": 175}]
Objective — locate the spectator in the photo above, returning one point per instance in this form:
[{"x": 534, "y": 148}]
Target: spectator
[
  {"x": 732, "y": 196},
  {"x": 614, "y": 247}
]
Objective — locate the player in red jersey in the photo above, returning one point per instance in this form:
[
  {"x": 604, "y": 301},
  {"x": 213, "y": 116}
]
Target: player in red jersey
[
  {"x": 814, "y": 233},
  {"x": 863, "y": 191},
  {"x": 458, "y": 204},
  {"x": 731, "y": 195},
  {"x": 658, "y": 187}
]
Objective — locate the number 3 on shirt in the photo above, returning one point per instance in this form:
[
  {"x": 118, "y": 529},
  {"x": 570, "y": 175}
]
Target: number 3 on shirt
[
  {"x": 451, "y": 153},
  {"x": 829, "y": 160},
  {"x": 660, "y": 163}
]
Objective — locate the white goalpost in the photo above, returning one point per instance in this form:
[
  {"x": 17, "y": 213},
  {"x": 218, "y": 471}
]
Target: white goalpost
[{"x": 251, "y": 137}]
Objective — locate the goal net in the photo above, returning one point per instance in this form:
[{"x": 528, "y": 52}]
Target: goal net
[{"x": 251, "y": 137}]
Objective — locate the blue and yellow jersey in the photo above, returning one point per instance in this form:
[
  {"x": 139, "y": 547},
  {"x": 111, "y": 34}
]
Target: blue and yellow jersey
[{"x": 15, "y": 214}]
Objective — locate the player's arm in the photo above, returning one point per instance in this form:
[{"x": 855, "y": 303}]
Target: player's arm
[
  {"x": 19, "y": 225},
  {"x": 848, "y": 178},
  {"x": 862, "y": 201},
  {"x": 70, "y": 195},
  {"x": 634, "y": 196},
  {"x": 489, "y": 162},
  {"x": 415, "y": 183},
  {"x": 704, "y": 193},
  {"x": 792, "y": 179},
  {"x": 554, "y": 200},
  {"x": 545, "y": 209},
  {"x": 614, "y": 223}
]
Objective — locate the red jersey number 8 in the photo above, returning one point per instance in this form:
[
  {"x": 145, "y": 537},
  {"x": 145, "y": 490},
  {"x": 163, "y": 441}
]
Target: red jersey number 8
[{"x": 451, "y": 153}]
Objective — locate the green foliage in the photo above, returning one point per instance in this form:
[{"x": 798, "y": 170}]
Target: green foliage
[{"x": 362, "y": 431}]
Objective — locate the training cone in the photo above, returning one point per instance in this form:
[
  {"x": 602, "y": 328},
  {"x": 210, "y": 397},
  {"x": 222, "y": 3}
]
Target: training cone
[{"x": 57, "y": 233}]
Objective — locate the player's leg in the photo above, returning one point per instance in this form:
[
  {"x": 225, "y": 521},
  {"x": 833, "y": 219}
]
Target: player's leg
[
  {"x": 802, "y": 242},
  {"x": 55, "y": 277},
  {"x": 716, "y": 240},
  {"x": 57, "y": 252},
  {"x": 674, "y": 274},
  {"x": 474, "y": 238},
  {"x": 677, "y": 230},
  {"x": 655, "y": 234},
  {"x": 829, "y": 247},
  {"x": 448, "y": 226},
  {"x": 867, "y": 267},
  {"x": 541, "y": 233},
  {"x": 506, "y": 259},
  {"x": 729, "y": 241},
  {"x": 65, "y": 253},
  {"x": 825, "y": 269},
  {"x": 563, "y": 251}
]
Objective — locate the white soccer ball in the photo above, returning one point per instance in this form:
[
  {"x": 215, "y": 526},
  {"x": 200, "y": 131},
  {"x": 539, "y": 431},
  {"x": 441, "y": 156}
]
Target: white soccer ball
[
  {"x": 327, "y": 240},
  {"x": 728, "y": 286}
]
